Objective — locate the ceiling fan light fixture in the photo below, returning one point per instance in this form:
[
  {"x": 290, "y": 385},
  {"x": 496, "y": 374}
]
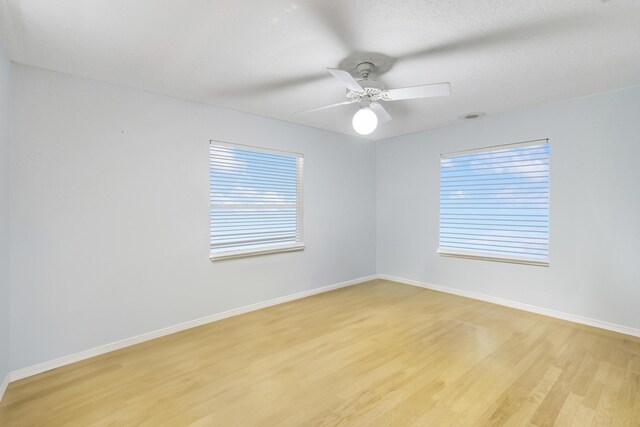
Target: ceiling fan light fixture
[{"x": 365, "y": 121}]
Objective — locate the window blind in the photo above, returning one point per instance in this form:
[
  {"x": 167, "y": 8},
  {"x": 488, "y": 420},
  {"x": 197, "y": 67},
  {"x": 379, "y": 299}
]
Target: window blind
[
  {"x": 494, "y": 203},
  {"x": 255, "y": 200}
]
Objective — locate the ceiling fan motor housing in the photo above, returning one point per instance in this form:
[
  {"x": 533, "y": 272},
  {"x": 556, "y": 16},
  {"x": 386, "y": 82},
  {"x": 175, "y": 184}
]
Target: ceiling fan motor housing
[{"x": 372, "y": 90}]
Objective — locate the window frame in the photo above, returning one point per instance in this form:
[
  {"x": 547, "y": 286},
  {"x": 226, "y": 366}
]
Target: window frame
[
  {"x": 488, "y": 256},
  {"x": 298, "y": 245}
]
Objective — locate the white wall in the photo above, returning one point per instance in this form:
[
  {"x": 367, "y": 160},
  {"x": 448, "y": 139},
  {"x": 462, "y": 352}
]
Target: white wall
[
  {"x": 110, "y": 208},
  {"x": 109, "y": 211},
  {"x": 5, "y": 71},
  {"x": 594, "y": 214}
]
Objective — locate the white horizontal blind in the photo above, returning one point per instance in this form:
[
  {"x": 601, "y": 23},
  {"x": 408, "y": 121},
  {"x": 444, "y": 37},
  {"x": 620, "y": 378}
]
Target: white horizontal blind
[
  {"x": 494, "y": 203},
  {"x": 256, "y": 199}
]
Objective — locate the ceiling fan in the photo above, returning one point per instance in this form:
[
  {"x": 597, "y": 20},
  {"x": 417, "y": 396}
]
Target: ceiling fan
[{"x": 370, "y": 93}]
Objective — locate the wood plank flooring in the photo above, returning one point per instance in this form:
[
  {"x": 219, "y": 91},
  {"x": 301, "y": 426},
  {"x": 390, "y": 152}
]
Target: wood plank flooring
[{"x": 375, "y": 354}]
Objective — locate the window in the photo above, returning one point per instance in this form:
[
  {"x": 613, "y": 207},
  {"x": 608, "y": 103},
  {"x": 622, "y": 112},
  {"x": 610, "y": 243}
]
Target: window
[
  {"x": 494, "y": 203},
  {"x": 256, "y": 200}
]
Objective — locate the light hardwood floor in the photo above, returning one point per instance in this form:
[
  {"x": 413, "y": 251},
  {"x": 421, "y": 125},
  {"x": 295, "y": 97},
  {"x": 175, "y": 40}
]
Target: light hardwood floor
[{"x": 375, "y": 354}]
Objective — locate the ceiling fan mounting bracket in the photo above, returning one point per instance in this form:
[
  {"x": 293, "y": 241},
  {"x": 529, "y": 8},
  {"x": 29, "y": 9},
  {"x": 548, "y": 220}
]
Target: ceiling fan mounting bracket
[
  {"x": 365, "y": 69},
  {"x": 375, "y": 62}
]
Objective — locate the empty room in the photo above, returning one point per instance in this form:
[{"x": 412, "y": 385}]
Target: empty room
[{"x": 319, "y": 213}]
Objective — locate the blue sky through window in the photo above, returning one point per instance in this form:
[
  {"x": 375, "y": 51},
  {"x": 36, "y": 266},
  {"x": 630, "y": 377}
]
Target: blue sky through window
[
  {"x": 254, "y": 198},
  {"x": 496, "y": 202}
]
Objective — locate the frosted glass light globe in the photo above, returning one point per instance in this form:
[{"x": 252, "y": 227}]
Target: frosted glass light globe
[{"x": 365, "y": 121}]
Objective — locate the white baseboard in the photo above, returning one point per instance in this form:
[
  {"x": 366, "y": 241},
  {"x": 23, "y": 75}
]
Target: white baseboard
[
  {"x": 519, "y": 305},
  {"x": 76, "y": 357},
  {"x": 96, "y": 351},
  {"x": 3, "y": 385}
]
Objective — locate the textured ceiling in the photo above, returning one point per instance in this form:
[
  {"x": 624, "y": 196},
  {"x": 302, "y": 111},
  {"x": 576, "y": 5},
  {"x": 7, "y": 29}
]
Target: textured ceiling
[{"x": 268, "y": 57}]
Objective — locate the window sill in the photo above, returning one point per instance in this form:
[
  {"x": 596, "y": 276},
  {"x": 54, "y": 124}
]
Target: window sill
[
  {"x": 488, "y": 257},
  {"x": 254, "y": 252}
]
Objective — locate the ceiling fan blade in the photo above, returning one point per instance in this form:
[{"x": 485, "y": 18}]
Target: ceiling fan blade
[
  {"x": 383, "y": 115},
  {"x": 248, "y": 89},
  {"x": 424, "y": 91},
  {"x": 550, "y": 28},
  {"x": 325, "y": 107},
  {"x": 336, "y": 20},
  {"x": 346, "y": 79}
]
